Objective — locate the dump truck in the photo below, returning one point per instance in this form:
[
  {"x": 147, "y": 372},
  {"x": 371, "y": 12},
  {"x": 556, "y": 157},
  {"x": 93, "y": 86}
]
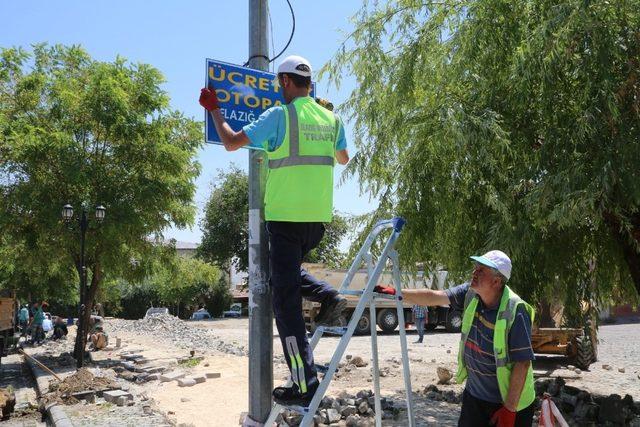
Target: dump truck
[{"x": 386, "y": 314}]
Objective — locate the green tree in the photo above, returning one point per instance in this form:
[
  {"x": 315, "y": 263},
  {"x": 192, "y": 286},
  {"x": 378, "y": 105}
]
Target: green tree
[
  {"x": 79, "y": 131},
  {"x": 225, "y": 222},
  {"x": 493, "y": 126}
]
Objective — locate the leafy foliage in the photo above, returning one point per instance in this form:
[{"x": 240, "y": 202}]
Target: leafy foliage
[
  {"x": 79, "y": 131},
  {"x": 225, "y": 222},
  {"x": 493, "y": 126}
]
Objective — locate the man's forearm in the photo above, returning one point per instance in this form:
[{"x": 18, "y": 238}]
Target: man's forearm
[
  {"x": 231, "y": 139},
  {"x": 516, "y": 384},
  {"x": 425, "y": 297}
]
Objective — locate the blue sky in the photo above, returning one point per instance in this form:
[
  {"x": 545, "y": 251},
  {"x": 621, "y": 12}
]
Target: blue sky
[{"x": 176, "y": 37}]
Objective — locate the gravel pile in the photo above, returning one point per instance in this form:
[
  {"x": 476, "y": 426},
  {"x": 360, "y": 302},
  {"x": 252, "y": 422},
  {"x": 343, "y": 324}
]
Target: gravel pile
[{"x": 171, "y": 330}]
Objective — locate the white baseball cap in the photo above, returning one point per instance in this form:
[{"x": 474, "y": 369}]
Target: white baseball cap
[
  {"x": 296, "y": 65},
  {"x": 497, "y": 260}
]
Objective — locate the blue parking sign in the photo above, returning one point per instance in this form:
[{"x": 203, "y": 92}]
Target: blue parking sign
[{"x": 243, "y": 94}]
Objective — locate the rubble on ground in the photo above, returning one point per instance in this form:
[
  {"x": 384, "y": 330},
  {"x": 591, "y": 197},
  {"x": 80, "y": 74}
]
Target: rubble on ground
[
  {"x": 81, "y": 381},
  {"x": 171, "y": 330},
  {"x": 444, "y": 375},
  {"x": 351, "y": 410},
  {"x": 580, "y": 407}
]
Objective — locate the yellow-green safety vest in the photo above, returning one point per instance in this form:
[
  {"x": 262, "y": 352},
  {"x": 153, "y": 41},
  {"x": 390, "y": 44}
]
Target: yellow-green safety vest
[
  {"x": 506, "y": 315},
  {"x": 300, "y": 171}
]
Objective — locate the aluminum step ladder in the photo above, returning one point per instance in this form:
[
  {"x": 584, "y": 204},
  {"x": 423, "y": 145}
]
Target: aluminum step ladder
[{"x": 367, "y": 300}]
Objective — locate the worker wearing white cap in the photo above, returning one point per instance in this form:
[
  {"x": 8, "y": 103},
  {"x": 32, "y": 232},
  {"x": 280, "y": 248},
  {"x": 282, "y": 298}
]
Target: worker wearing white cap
[
  {"x": 303, "y": 140},
  {"x": 495, "y": 348}
]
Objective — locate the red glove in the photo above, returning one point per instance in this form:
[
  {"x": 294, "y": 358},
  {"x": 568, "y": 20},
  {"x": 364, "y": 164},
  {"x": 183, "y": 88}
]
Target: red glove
[
  {"x": 503, "y": 417},
  {"x": 384, "y": 290},
  {"x": 209, "y": 99}
]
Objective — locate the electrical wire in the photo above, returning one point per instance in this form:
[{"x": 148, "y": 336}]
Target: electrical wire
[
  {"x": 293, "y": 30},
  {"x": 273, "y": 47}
]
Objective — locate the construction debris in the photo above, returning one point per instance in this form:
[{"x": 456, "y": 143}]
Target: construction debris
[{"x": 169, "y": 329}]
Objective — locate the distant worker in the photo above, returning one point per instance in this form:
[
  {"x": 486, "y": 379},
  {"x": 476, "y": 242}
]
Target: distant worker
[
  {"x": 419, "y": 316},
  {"x": 60, "y": 330},
  {"x": 99, "y": 338},
  {"x": 23, "y": 320},
  {"x": 495, "y": 349},
  {"x": 37, "y": 334},
  {"x": 302, "y": 140}
]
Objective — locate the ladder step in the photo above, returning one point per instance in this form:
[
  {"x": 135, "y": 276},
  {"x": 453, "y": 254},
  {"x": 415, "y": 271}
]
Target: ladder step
[
  {"x": 351, "y": 292},
  {"x": 336, "y": 330}
]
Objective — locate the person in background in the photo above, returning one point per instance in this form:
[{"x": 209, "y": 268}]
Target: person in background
[
  {"x": 59, "y": 328},
  {"x": 23, "y": 320},
  {"x": 37, "y": 334},
  {"x": 419, "y": 316},
  {"x": 47, "y": 325}
]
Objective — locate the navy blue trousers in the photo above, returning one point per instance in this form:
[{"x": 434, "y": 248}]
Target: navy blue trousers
[{"x": 289, "y": 242}]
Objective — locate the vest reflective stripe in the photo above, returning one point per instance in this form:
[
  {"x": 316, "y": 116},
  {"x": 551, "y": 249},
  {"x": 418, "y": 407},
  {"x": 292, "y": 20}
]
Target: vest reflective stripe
[
  {"x": 300, "y": 161},
  {"x": 295, "y": 159},
  {"x": 507, "y": 309}
]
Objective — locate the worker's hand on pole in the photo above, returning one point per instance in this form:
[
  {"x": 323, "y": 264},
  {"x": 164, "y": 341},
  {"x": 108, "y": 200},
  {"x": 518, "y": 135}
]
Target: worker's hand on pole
[
  {"x": 504, "y": 417},
  {"x": 384, "y": 290},
  {"x": 209, "y": 99}
]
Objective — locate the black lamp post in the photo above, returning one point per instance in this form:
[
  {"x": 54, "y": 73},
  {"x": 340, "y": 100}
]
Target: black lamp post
[{"x": 83, "y": 222}]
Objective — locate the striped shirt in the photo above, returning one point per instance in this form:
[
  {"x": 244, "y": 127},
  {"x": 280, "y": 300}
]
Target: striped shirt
[{"x": 482, "y": 381}]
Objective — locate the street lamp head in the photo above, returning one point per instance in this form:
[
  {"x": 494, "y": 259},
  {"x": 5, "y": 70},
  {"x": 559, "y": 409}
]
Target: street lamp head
[
  {"x": 100, "y": 212},
  {"x": 67, "y": 212}
]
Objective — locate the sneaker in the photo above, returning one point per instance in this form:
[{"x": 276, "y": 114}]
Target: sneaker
[
  {"x": 331, "y": 311},
  {"x": 288, "y": 396}
]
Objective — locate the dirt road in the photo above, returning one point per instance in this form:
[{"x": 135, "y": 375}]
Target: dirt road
[
  {"x": 220, "y": 401},
  {"x": 618, "y": 349}
]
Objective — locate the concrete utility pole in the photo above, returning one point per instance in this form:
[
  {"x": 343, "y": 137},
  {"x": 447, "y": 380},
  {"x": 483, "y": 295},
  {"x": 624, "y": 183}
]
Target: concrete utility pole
[{"x": 260, "y": 315}]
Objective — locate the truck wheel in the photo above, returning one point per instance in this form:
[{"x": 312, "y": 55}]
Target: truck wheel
[
  {"x": 387, "y": 319},
  {"x": 364, "y": 324},
  {"x": 584, "y": 352},
  {"x": 454, "y": 321}
]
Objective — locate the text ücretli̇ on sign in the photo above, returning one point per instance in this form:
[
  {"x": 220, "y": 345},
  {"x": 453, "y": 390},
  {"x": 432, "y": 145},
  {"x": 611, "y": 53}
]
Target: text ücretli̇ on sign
[{"x": 243, "y": 94}]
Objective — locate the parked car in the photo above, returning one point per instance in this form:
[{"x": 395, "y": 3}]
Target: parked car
[
  {"x": 156, "y": 310},
  {"x": 201, "y": 314},
  {"x": 234, "y": 311}
]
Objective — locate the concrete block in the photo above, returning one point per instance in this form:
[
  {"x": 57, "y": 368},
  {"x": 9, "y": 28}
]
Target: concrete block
[
  {"x": 213, "y": 374},
  {"x": 153, "y": 377},
  {"x": 153, "y": 369},
  {"x": 186, "y": 382},
  {"x": 133, "y": 357},
  {"x": 121, "y": 401},
  {"x": 113, "y": 395},
  {"x": 171, "y": 376},
  {"x": 199, "y": 378}
]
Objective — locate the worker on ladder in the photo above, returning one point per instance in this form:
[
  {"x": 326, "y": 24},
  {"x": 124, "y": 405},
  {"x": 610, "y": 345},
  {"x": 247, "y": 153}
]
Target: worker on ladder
[
  {"x": 495, "y": 348},
  {"x": 303, "y": 140}
]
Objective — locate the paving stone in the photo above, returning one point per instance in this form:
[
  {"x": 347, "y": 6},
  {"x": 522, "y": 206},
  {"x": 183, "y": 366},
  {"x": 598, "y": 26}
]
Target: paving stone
[
  {"x": 186, "y": 382},
  {"x": 112, "y": 395},
  {"x": 171, "y": 376},
  {"x": 199, "y": 378},
  {"x": 153, "y": 369}
]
